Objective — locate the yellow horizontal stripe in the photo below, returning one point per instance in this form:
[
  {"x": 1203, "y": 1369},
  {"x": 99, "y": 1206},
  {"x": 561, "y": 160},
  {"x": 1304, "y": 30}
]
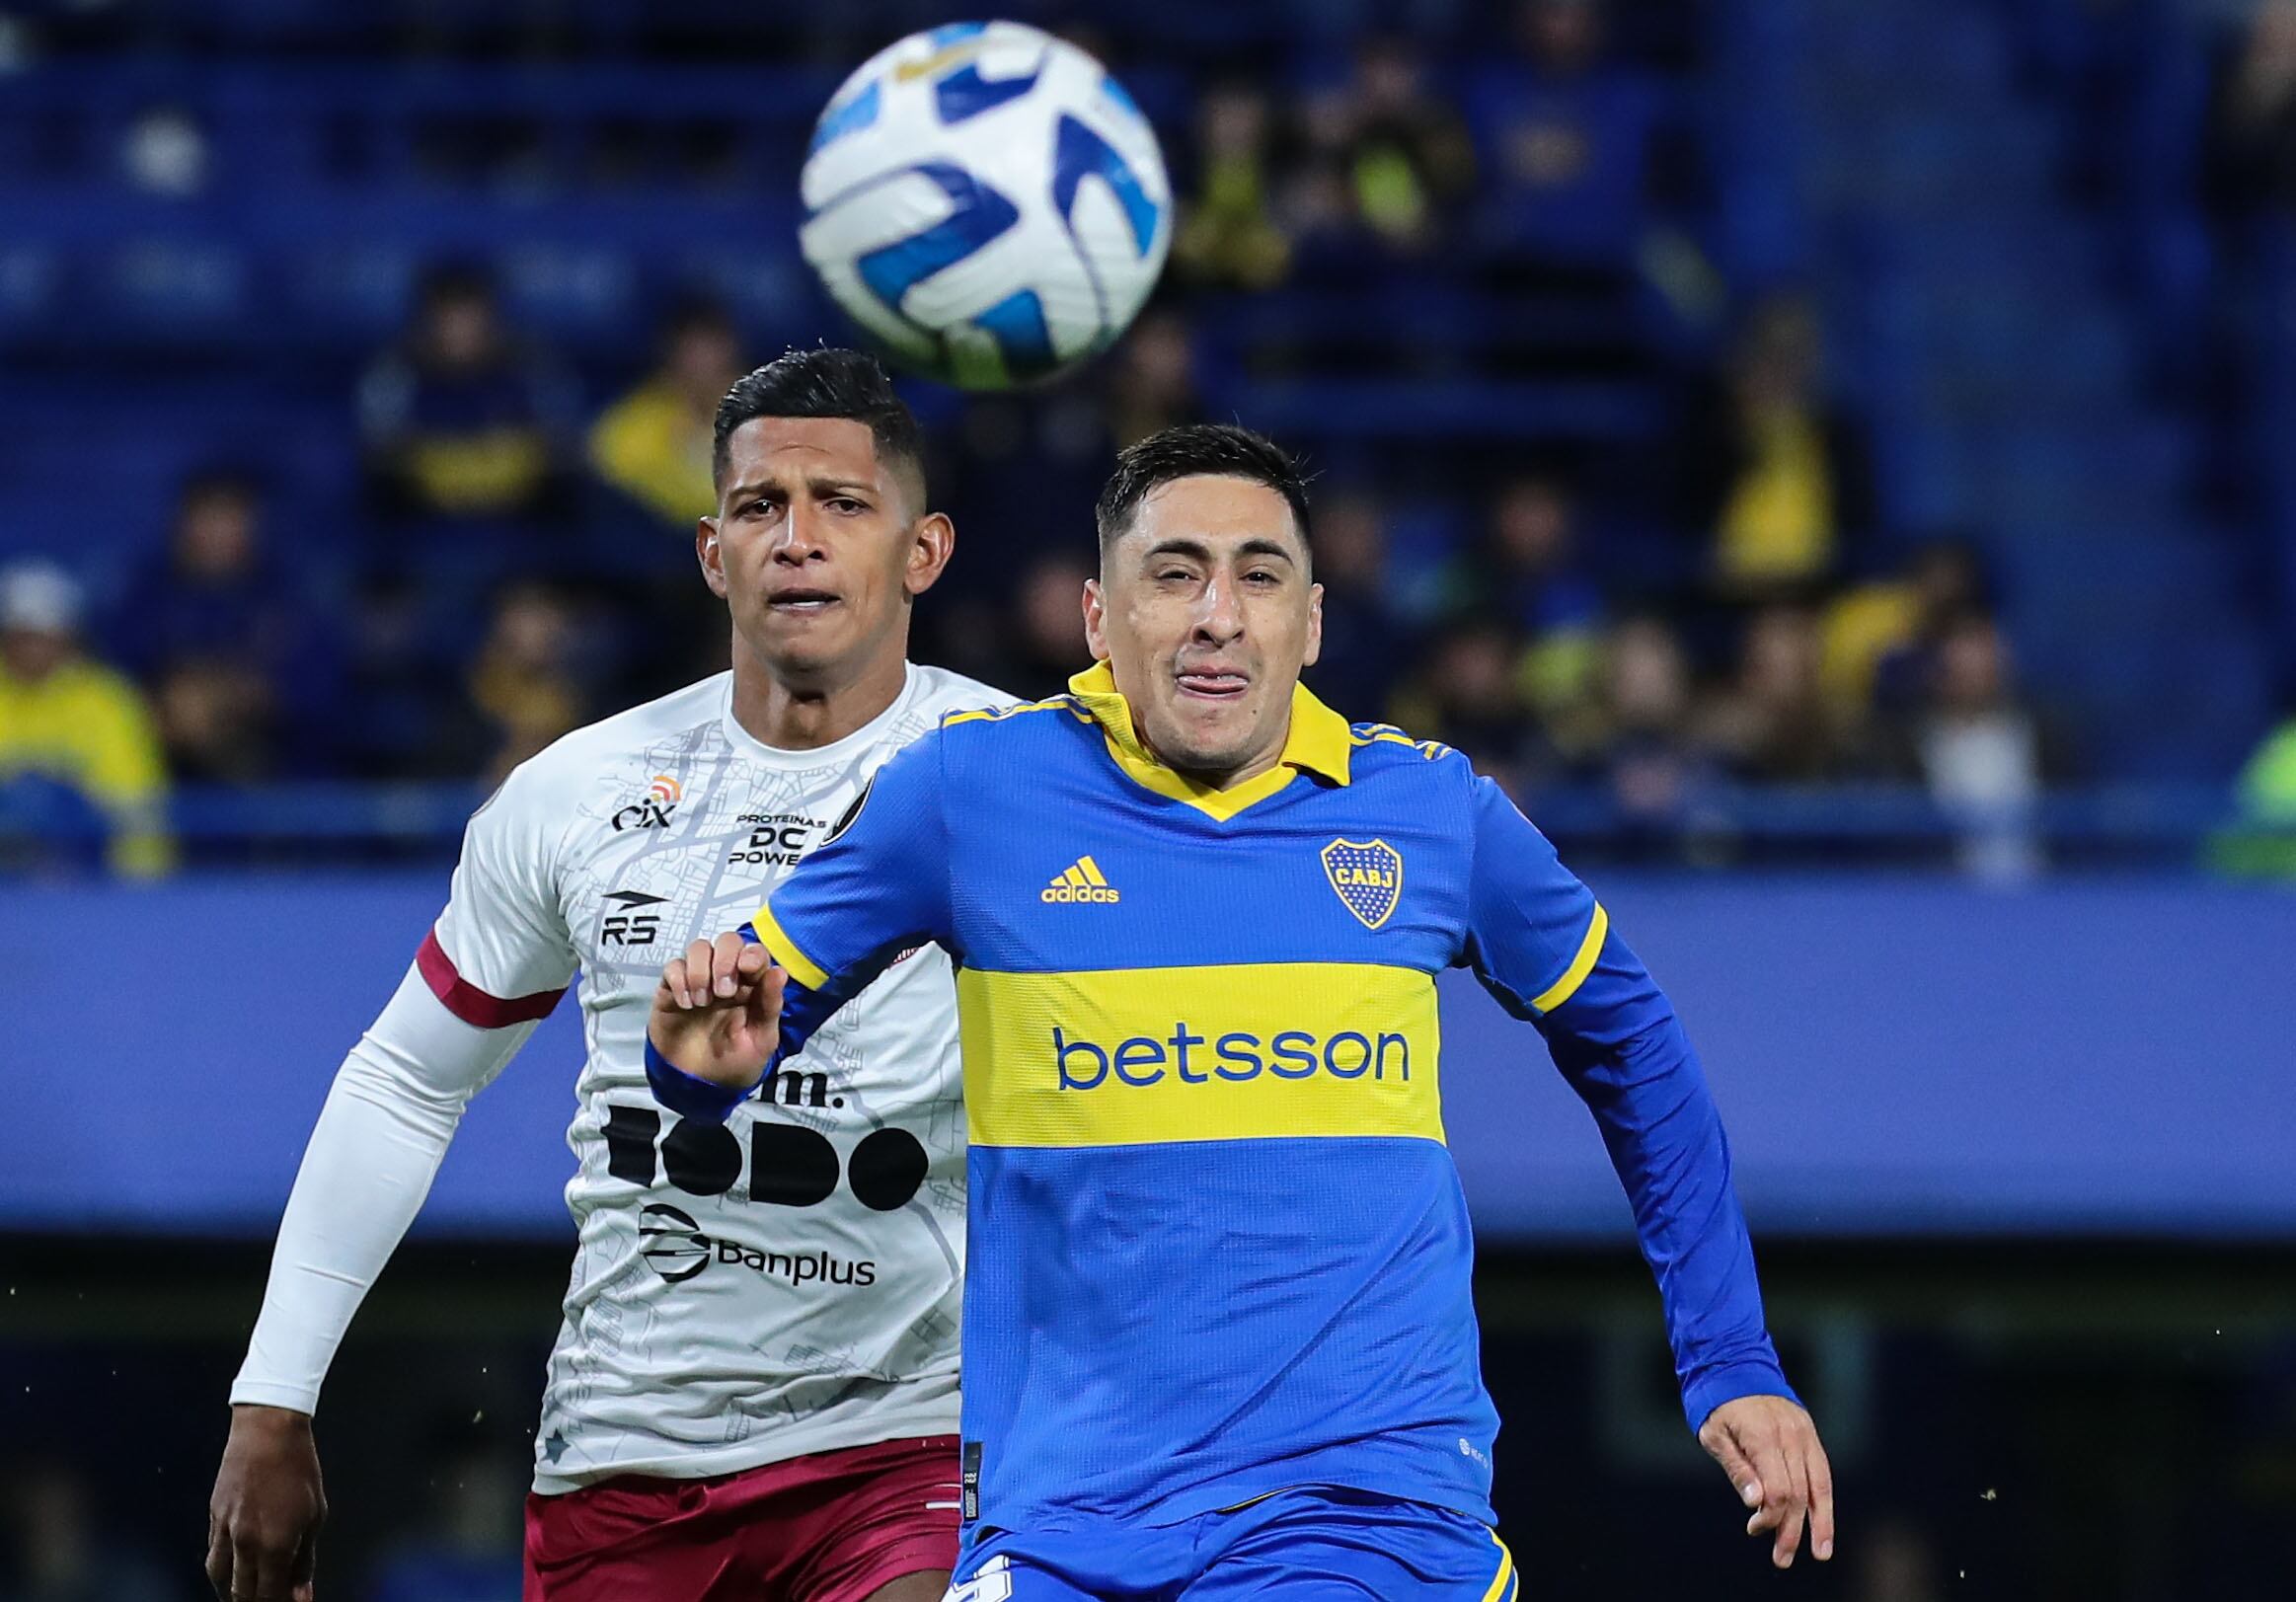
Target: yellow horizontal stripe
[
  {"x": 1244, "y": 1051},
  {"x": 1562, "y": 989},
  {"x": 776, "y": 939},
  {"x": 1506, "y": 1568}
]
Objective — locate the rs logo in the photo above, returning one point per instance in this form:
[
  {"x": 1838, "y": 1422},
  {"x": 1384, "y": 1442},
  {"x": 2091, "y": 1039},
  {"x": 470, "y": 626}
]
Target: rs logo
[{"x": 632, "y": 926}]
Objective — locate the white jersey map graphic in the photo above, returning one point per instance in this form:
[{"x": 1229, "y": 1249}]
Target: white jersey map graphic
[{"x": 784, "y": 1284}]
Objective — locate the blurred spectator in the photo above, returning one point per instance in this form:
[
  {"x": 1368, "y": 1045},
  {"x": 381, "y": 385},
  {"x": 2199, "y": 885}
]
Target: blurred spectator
[
  {"x": 1465, "y": 694},
  {"x": 1777, "y": 479},
  {"x": 1367, "y": 643},
  {"x": 1532, "y": 574},
  {"x": 400, "y": 664},
  {"x": 1773, "y": 725},
  {"x": 1567, "y": 136},
  {"x": 221, "y": 637},
  {"x": 165, "y": 152},
  {"x": 1979, "y": 750},
  {"x": 523, "y": 684},
  {"x": 73, "y": 723},
  {"x": 1153, "y": 383},
  {"x": 1386, "y": 155},
  {"x": 2263, "y": 843},
  {"x": 215, "y": 722},
  {"x": 1229, "y": 236},
  {"x": 1640, "y": 743},
  {"x": 63, "y": 1553},
  {"x": 653, "y": 444},
  {"x": 2253, "y": 154},
  {"x": 467, "y": 1549},
  {"x": 1044, "y": 639},
  {"x": 1942, "y": 584},
  {"x": 460, "y": 421}
]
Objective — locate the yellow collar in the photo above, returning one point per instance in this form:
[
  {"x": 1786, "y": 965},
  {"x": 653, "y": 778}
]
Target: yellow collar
[{"x": 1318, "y": 741}]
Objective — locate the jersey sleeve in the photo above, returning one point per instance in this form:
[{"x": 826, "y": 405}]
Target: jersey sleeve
[
  {"x": 1543, "y": 946},
  {"x": 497, "y": 960},
  {"x": 500, "y": 952},
  {"x": 875, "y": 888}
]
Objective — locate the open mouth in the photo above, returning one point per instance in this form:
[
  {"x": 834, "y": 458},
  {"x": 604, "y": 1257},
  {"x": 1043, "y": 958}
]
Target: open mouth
[
  {"x": 801, "y": 602},
  {"x": 1213, "y": 684}
]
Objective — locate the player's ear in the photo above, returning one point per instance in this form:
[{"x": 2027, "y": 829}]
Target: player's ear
[
  {"x": 930, "y": 543},
  {"x": 711, "y": 559},
  {"x": 1095, "y": 616},
  {"x": 1315, "y": 626}
]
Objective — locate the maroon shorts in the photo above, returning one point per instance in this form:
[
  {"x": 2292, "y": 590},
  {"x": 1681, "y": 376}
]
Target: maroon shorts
[{"x": 832, "y": 1527}]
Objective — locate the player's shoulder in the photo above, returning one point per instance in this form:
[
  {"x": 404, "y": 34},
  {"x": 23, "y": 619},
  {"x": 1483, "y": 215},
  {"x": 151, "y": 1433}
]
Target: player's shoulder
[
  {"x": 944, "y": 694},
  {"x": 654, "y": 734},
  {"x": 1012, "y": 721},
  {"x": 1385, "y": 752}
]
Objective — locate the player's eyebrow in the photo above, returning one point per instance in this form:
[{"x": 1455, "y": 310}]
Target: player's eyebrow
[
  {"x": 1197, "y": 551},
  {"x": 825, "y": 486},
  {"x": 1263, "y": 547}
]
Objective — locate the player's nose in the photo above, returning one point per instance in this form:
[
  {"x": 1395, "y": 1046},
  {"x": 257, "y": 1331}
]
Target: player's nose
[
  {"x": 800, "y": 538},
  {"x": 1220, "y": 612}
]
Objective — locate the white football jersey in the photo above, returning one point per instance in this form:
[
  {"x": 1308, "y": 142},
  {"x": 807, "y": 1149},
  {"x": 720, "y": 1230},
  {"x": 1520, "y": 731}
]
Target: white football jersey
[{"x": 788, "y": 1282}]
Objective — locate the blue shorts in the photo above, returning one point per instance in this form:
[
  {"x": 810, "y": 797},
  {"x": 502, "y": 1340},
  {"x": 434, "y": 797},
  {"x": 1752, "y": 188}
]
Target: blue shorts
[{"x": 1317, "y": 1543}]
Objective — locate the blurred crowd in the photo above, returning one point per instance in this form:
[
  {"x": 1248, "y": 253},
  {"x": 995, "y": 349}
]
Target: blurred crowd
[{"x": 1722, "y": 609}]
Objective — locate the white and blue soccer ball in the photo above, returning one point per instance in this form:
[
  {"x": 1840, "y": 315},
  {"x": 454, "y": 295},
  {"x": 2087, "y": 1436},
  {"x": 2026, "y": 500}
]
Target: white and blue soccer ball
[{"x": 987, "y": 203}]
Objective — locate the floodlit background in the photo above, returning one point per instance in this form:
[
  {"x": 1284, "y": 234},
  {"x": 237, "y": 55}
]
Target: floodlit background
[{"x": 1834, "y": 460}]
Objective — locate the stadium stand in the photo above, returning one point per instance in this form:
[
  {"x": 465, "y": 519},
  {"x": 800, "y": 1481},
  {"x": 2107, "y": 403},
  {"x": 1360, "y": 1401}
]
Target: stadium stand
[{"x": 1439, "y": 246}]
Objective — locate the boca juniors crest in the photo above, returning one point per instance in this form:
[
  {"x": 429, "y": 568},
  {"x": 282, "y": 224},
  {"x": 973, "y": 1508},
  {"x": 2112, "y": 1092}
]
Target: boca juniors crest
[{"x": 1368, "y": 876}]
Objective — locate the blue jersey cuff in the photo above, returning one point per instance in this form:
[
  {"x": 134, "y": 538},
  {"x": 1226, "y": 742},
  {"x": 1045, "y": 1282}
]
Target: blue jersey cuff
[
  {"x": 690, "y": 1097},
  {"x": 1729, "y": 1382}
]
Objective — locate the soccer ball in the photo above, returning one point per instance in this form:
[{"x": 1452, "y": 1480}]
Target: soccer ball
[{"x": 987, "y": 202}]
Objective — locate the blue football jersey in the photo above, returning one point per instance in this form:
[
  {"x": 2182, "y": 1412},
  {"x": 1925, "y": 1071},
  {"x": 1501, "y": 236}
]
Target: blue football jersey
[{"x": 1217, "y": 1243}]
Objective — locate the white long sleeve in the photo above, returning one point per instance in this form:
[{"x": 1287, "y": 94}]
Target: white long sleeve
[
  {"x": 492, "y": 966},
  {"x": 395, "y": 1106}
]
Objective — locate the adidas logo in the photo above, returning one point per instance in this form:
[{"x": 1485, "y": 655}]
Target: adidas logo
[{"x": 1082, "y": 882}]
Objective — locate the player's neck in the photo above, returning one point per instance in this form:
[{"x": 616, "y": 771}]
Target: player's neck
[{"x": 793, "y": 714}]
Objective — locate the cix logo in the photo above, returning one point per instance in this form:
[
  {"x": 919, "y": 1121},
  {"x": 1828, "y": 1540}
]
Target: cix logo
[{"x": 662, "y": 800}]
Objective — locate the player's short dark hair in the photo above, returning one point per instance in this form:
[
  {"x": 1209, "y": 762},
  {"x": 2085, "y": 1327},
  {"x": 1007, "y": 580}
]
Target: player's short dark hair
[
  {"x": 1192, "y": 451},
  {"x": 826, "y": 382}
]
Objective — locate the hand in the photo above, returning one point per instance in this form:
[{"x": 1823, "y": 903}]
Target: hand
[
  {"x": 717, "y": 1013},
  {"x": 1770, "y": 1449},
  {"x": 263, "y": 1522}
]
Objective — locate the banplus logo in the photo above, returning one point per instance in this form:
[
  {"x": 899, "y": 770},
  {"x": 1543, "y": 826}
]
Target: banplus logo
[
  {"x": 677, "y": 1250},
  {"x": 653, "y": 812}
]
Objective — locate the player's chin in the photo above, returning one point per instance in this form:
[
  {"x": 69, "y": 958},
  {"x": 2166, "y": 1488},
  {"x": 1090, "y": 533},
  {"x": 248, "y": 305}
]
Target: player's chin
[
  {"x": 1213, "y": 736},
  {"x": 800, "y": 642}
]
